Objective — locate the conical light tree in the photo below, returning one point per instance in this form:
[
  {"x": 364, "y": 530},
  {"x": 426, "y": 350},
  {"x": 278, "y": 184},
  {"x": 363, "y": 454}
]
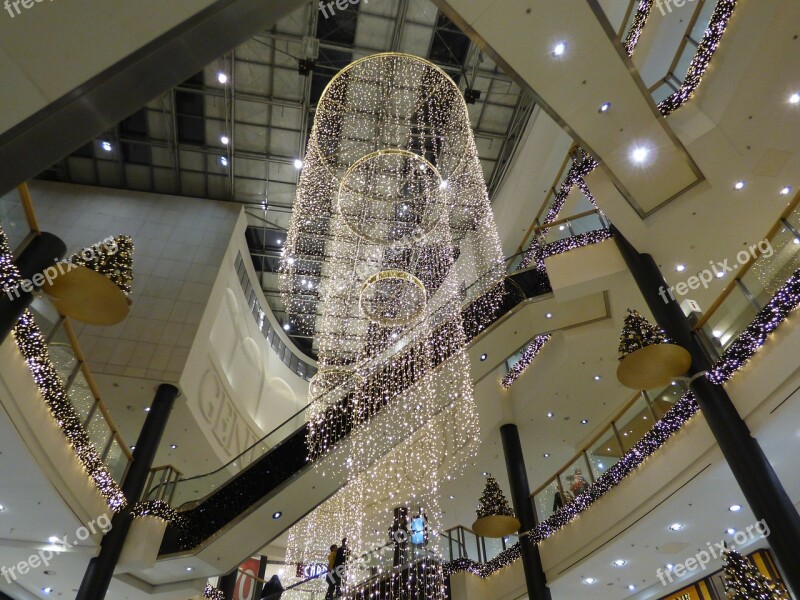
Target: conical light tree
[
  {"x": 743, "y": 580},
  {"x": 493, "y": 502},
  {"x": 112, "y": 258},
  {"x": 638, "y": 333}
]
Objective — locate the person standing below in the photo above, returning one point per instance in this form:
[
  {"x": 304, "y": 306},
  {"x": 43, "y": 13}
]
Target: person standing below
[
  {"x": 332, "y": 578},
  {"x": 339, "y": 565}
]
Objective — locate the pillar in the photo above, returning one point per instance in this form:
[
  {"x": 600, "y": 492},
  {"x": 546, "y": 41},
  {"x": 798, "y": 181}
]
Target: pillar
[
  {"x": 520, "y": 497},
  {"x": 757, "y": 479},
  {"x": 101, "y": 568}
]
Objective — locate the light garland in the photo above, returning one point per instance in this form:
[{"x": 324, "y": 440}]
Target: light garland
[
  {"x": 705, "y": 52},
  {"x": 537, "y": 252},
  {"x": 155, "y": 508},
  {"x": 747, "y": 343},
  {"x": 582, "y": 165},
  {"x": 530, "y": 352},
  {"x": 213, "y": 593},
  {"x": 34, "y": 350},
  {"x": 639, "y": 21}
]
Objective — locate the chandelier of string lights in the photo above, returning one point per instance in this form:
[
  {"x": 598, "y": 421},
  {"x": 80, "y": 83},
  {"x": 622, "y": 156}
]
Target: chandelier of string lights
[{"x": 391, "y": 234}]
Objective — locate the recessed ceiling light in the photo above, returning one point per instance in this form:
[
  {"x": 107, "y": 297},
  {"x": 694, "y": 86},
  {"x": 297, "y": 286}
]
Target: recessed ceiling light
[
  {"x": 47, "y": 590},
  {"x": 224, "y": 139},
  {"x": 620, "y": 562},
  {"x": 146, "y": 409},
  {"x": 584, "y": 421},
  {"x": 549, "y": 316},
  {"x": 222, "y": 78},
  {"x": 133, "y": 448},
  {"x": 639, "y": 154},
  {"x": 485, "y": 473},
  {"x": 794, "y": 98},
  {"x": 600, "y": 466},
  {"x": 298, "y": 164},
  {"x": 483, "y": 357},
  {"x": 223, "y": 160},
  {"x": 797, "y": 240},
  {"x": 173, "y": 446},
  {"x": 53, "y": 539},
  {"x": 277, "y": 515},
  {"x": 604, "y": 107},
  {"x": 785, "y": 191},
  {"x": 721, "y": 274},
  {"x": 739, "y": 185},
  {"x": 559, "y": 49},
  {"x": 452, "y": 497},
  {"x": 716, "y": 333},
  {"x": 550, "y": 415},
  {"x": 735, "y": 508},
  {"x": 286, "y": 327},
  {"x": 730, "y": 531},
  {"x": 547, "y": 455},
  {"x": 597, "y": 378},
  {"x": 669, "y": 566},
  {"x": 106, "y": 146},
  {"x": 589, "y": 580},
  {"x": 631, "y": 587},
  {"x": 676, "y": 527},
  {"x": 190, "y": 568},
  {"x": 680, "y": 268},
  {"x": 2, "y": 508},
  {"x": 561, "y": 228}
]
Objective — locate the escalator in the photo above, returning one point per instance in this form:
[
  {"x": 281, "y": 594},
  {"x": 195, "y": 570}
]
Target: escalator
[{"x": 274, "y": 476}]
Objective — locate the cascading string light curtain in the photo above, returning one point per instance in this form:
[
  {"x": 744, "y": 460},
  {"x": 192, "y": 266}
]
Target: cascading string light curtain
[{"x": 391, "y": 233}]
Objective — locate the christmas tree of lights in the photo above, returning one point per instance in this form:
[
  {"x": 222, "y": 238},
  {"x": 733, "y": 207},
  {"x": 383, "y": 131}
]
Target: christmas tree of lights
[
  {"x": 493, "y": 502},
  {"x": 743, "y": 581},
  {"x": 114, "y": 260},
  {"x": 638, "y": 333}
]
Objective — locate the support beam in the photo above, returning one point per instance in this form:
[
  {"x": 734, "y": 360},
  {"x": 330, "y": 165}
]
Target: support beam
[
  {"x": 101, "y": 568},
  {"x": 520, "y": 497},
  {"x": 757, "y": 479}
]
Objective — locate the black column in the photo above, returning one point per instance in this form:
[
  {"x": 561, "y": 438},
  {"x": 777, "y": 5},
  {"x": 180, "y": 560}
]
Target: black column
[
  {"x": 758, "y": 481},
  {"x": 521, "y": 499},
  {"x": 101, "y": 568},
  {"x": 227, "y": 584},
  {"x": 41, "y": 253}
]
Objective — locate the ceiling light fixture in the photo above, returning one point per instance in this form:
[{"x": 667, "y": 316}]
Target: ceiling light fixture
[
  {"x": 584, "y": 421},
  {"x": 298, "y": 164},
  {"x": 452, "y": 497},
  {"x": 550, "y": 415},
  {"x": 224, "y": 139},
  {"x": 632, "y": 587},
  {"x": 735, "y": 508},
  {"x": 53, "y": 539},
  {"x": 676, "y": 527},
  {"x": 277, "y": 515},
  {"x": 639, "y": 154},
  {"x": 597, "y": 378},
  {"x": 483, "y": 357},
  {"x": 2, "y": 508},
  {"x": 589, "y": 580},
  {"x": 146, "y": 409},
  {"x": 47, "y": 590},
  {"x": 190, "y": 568},
  {"x": 620, "y": 562},
  {"x": 559, "y": 49},
  {"x": 739, "y": 185},
  {"x": 106, "y": 146},
  {"x": 785, "y": 191},
  {"x": 286, "y": 327},
  {"x": 223, "y": 160},
  {"x": 680, "y": 268},
  {"x": 485, "y": 473},
  {"x": 549, "y": 316},
  {"x": 794, "y": 98},
  {"x": 730, "y": 531},
  {"x": 547, "y": 455},
  {"x": 604, "y": 107},
  {"x": 222, "y": 78},
  {"x": 716, "y": 333}
]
